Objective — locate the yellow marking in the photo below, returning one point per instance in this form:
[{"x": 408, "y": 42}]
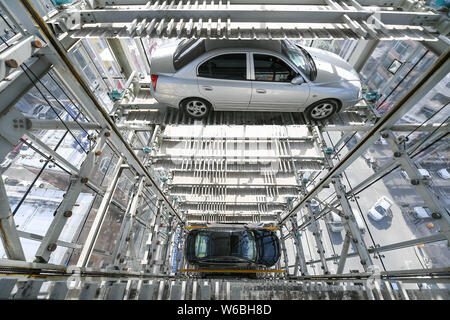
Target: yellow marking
[{"x": 233, "y": 270}]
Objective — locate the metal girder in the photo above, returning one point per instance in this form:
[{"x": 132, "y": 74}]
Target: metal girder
[
  {"x": 300, "y": 260},
  {"x": 19, "y": 52},
  {"x": 344, "y": 252},
  {"x": 8, "y": 231},
  {"x": 254, "y": 20},
  {"x": 148, "y": 3},
  {"x": 317, "y": 233},
  {"x": 436, "y": 73},
  {"x": 394, "y": 246},
  {"x": 351, "y": 226},
  {"x": 255, "y": 13},
  {"x": 13, "y": 90}
]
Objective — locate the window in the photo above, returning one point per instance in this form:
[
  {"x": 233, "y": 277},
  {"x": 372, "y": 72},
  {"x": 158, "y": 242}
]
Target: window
[
  {"x": 187, "y": 51},
  {"x": 226, "y": 66},
  {"x": 201, "y": 245},
  {"x": 270, "y": 68}
]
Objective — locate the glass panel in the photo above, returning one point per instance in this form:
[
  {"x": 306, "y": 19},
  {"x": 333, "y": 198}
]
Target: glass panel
[
  {"x": 124, "y": 187},
  {"x": 108, "y": 237},
  {"x": 83, "y": 229},
  {"x": 37, "y": 211},
  {"x": 136, "y": 58},
  {"x": 270, "y": 68},
  {"x": 226, "y": 66},
  {"x": 19, "y": 169}
]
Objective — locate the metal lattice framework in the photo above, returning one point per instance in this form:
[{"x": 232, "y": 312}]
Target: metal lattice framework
[
  {"x": 326, "y": 19},
  {"x": 185, "y": 173}
]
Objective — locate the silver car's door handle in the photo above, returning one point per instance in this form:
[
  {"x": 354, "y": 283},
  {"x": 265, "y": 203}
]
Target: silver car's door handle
[
  {"x": 260, "y": 91},
  {"x": 207, "y": 88}
]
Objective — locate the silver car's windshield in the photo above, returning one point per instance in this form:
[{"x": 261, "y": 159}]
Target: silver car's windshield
[{"x": 301, "y": 58}]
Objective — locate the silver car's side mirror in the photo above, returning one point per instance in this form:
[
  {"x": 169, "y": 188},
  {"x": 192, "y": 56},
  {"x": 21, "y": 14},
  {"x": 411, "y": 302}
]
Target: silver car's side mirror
[{"x": 297, "y": 80}]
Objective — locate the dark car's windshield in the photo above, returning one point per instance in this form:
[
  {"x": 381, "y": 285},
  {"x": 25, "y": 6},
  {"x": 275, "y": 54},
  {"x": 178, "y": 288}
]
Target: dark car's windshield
[
  {"x": 301, "y": 58},
  {"x": 380, "y": 209},
  {"x": 268, "y": 248}
]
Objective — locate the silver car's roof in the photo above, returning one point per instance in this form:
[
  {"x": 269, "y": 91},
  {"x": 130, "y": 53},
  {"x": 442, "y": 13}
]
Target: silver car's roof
[{"x": 273, "y": 45}]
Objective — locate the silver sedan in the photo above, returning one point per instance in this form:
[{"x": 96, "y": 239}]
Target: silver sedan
[{"x": 198, "y": 75}]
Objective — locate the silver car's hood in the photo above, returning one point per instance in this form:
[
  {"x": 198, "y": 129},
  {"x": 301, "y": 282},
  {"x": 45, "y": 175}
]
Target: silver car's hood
[{"x": 331, "y": 67}]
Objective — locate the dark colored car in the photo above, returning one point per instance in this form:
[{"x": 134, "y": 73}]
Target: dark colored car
[{"x": 232, "y": 248}]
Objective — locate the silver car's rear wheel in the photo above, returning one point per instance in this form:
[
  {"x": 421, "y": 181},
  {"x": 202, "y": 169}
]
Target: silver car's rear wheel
[
  {"x": 322, "y": 110},
  {"x": 196, "y": 108}
]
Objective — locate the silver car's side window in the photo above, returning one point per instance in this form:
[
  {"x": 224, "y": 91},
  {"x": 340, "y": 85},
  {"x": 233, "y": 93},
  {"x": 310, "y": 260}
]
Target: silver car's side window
[
  {"x": 230, "y": 66},
  {"x": 272, "y": 69}
]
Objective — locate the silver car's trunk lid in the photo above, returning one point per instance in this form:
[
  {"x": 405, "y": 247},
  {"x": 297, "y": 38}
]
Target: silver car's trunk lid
[{"x": 162, "y": 59}]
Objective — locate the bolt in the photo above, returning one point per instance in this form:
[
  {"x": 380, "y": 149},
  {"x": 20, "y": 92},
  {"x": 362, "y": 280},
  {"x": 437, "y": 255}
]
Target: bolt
[
  {"x": 415, "y": 182},
  {"x": 98, "y": 153},
  {"x": 384, "y": 135},
  {"x": 107, "y": 134},
  {"x": 397, "y": 154},
  {"x": 11, "y": 63},
  {"x": 52, "y": 247},
  {"x": 68, "y": 214},
  {"x": 84, "y": 180},
  {"x": 36, "y": 44}
]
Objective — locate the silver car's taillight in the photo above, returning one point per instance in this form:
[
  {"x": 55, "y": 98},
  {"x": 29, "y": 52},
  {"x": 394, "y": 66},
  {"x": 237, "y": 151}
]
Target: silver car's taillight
[{"x": 154, "y": 78}]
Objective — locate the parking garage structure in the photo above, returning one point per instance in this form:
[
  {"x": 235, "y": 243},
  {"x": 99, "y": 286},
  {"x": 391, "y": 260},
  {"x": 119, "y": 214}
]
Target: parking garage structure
[{"x": 101, "y": 183}]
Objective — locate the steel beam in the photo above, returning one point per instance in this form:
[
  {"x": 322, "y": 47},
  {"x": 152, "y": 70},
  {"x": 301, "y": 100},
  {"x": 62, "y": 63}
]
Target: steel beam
[
  {"x": 8, "y": 231},
  {"x": 317, "y": 233},
  {"x": 395, "y": 246},
  {"x": 255, "y": 13},
  {"x": 344, "y": 253},
  {"x": 300, "y": 256},
  {"x": 13, "y": 90}
]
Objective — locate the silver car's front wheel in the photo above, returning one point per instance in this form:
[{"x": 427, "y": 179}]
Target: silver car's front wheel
[
  {"x": 196, "y": 108},
  {"x": 322, "y": 110}
]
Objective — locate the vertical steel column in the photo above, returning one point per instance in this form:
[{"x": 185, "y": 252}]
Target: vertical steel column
[
  {"x": 317, "y": 233},
  {"x": 64, "y": 211},
  {"x": 350, "y": 224},
  {"x": 344, "y": 253},
  {"x": 362, "y": 52},
  {"x": 439, "y": 213},
  {"x": 300, "y": 257},
  {"x": 8, "y": 231},
  {"x": 283, "y": 249}
]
